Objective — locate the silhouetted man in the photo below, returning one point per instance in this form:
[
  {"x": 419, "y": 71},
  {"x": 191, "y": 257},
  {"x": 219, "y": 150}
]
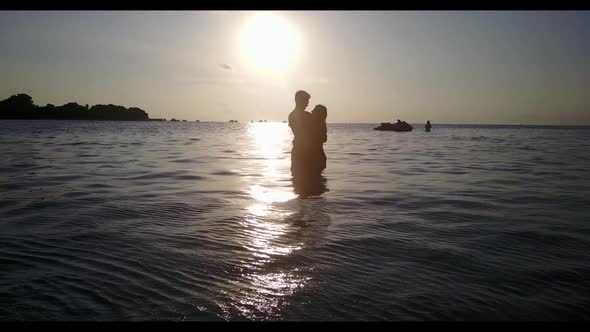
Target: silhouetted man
[{"x": 300, "y": 122}]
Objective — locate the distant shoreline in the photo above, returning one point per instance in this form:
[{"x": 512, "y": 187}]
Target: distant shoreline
[
  {"x": 329, "y": 123},
  {"x": 21, "y": 107},
  {"x": 71, "y": 119}
]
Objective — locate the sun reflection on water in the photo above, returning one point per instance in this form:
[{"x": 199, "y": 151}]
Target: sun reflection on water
[{"x": 269, "y": 238}]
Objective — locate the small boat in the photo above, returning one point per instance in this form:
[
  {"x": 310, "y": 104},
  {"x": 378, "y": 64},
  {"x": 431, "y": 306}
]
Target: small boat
[{"x": 400, "y": 126}]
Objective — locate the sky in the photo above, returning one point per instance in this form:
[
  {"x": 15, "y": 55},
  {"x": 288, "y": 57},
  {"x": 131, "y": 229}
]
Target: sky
[{"x": 476, "y": 67}]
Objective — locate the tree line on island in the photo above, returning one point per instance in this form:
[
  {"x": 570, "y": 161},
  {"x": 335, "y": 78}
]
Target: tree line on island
[{"x": 21, "y": 106}]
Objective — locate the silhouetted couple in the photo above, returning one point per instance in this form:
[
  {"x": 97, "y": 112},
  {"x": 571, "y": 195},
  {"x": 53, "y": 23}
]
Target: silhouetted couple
[{"x": 308, "y": 159}]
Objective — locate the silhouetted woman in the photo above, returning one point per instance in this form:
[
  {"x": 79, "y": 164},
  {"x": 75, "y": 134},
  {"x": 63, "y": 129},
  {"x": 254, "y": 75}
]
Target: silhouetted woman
[{"x": 319, "y": 133}]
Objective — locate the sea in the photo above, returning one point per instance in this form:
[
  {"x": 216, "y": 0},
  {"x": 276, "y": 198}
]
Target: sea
[{"x": 202, "y": 221}]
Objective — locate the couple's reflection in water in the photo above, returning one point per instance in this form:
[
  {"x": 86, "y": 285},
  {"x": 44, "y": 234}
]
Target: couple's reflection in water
[
  {"x": 309, "y": 205},
  {"x": 309, "y": 186}
]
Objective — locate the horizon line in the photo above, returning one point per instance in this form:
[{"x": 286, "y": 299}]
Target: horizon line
[{"x": 365, "y": 123}]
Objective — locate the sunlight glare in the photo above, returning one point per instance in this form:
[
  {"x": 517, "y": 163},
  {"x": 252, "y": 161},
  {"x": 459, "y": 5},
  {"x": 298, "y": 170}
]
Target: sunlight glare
[{"x": 269, "y": 42}]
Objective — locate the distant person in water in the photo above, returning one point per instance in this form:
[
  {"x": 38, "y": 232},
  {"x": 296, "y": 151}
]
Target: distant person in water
[
  {"x": 309, "y": 131},
  {"x": 427, "y": 126}
]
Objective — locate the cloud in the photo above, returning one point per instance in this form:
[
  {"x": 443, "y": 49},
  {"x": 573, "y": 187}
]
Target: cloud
[{"x": 224, "y": 66}]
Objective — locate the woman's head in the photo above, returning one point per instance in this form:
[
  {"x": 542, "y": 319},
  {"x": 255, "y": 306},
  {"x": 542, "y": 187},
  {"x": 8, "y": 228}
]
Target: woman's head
[{"x": 321, "y": 111}]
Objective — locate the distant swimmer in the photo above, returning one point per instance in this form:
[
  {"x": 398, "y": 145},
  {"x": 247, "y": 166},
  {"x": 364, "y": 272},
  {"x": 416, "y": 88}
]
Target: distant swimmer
[{"x": 427, "y": 126}]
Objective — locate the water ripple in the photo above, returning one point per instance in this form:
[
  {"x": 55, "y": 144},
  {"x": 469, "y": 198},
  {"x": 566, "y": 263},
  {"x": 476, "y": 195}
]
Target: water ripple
[{"x": 129, "y": 221}]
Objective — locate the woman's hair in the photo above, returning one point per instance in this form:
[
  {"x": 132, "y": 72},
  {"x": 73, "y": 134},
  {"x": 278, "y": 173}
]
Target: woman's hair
[{"x": 321, "y": 111}]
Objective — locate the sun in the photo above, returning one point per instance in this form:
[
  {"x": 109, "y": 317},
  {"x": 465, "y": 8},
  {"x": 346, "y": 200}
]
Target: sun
[{"x": 269, "y": 42}]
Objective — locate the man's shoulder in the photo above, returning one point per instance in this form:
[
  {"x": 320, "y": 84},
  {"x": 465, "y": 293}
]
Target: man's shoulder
[{"x": 298, "y": 116}]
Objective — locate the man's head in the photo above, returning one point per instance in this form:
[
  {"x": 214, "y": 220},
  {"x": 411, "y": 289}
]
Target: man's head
[{"x": 302, "y": 99}]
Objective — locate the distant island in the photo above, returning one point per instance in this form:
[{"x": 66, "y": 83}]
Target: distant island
[{"x": 21, "y": 106}]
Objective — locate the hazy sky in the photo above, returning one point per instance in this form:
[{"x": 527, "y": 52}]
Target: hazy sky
[{"x": 448, "y": 67}]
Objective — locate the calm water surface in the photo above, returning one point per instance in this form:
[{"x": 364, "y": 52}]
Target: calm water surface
[{"x": 201, "y": 221}]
